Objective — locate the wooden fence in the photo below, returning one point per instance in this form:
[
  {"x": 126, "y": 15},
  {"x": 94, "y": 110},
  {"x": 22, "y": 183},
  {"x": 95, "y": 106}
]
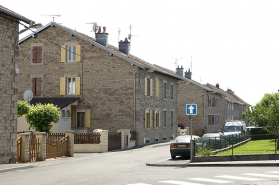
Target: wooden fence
[
  {"x": 114, "y": 141},
  {"x": 18, "y": 153},
  {"x": 56, "y": 148},
  {"x": 55, "y": 136},
  {"x": 87, "y": 138},
  {"x": 33, "y": 148}
]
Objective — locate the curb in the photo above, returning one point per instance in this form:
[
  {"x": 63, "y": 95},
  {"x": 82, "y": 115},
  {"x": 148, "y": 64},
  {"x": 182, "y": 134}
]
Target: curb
[
  {"x": 16, "y": 168},
  {"x": 212, "y": 164}
]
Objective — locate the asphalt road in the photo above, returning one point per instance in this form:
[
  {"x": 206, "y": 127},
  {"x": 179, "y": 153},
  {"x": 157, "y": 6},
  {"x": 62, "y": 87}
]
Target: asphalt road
[{"x": 129, "y": 167}]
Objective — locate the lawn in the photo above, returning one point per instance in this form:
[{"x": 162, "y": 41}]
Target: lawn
[{"x": 253, "y": 147}]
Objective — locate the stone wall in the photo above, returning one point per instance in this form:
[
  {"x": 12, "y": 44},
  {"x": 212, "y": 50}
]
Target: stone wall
[{"x": 8, "y": 89}]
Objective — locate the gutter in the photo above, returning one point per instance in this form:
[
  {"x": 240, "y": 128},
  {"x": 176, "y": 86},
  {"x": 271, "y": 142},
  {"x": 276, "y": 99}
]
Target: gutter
[{"x": 24, "y": 19}]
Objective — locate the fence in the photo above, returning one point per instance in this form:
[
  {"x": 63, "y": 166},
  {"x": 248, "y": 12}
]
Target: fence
[
  {"x": 33, "y": 148},
  {"x": 87, "y": 138},
  {"x": 240, "y": 144},
  {"x": 18, "y": 154},
  {"x": 56, "y": 148},
  {"x": 55, "y": 136}
]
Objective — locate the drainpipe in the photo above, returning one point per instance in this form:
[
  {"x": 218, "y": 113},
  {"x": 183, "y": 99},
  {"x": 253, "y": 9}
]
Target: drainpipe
[{"x": 204, "y": 112}]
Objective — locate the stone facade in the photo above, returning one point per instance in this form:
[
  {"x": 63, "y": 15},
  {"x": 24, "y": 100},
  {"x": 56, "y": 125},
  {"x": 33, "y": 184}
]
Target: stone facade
[
  {"x": 8, "y": 88},
  {"x": 107, "y": 83}
]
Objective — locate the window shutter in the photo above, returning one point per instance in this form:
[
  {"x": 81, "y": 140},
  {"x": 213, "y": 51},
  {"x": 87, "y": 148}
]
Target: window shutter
[
  {"x": 145, "y": 86},
  {"x": 151, "y": 87},
  {"x": 159, "y": 118},
  {"x": 63, "y": 53},
  {"x": 150, "y": 114},
  {"x": 62, "y": 85},
  {"x": 155, "y": 118},
  {"x": 73, "y": 119},
  {"x": 145, "y": 118},
  {"x": 87, "y": 118},
  {"x": 77, "y": 85},
  {"x": 213, "y": 101},
  {"x": 38, "y": 86},
  {"x": 157, "y": 89},
  {"x": 34, "y": 54},
  {"x": 78, "y": 53},
  {"x": 39, "y": 54},
  {"x": 34, "y": 86}
]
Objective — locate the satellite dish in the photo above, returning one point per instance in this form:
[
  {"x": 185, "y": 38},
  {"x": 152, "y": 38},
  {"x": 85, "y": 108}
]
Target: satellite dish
[
  {"x": 95, "y": 27},
  {"x": 129, "y": 36},
  {"x": 28, "y": 95}
]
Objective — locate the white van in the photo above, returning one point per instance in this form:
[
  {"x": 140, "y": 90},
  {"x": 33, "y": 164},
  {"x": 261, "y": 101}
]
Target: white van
[{"x": 234, "y": 127}]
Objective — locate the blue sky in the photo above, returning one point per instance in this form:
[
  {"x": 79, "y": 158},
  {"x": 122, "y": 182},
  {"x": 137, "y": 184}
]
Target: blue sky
[{"x": 231, "y": 42}]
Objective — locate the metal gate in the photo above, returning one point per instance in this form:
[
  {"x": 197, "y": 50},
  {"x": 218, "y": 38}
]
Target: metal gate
[{"x": 114, "y": 141}]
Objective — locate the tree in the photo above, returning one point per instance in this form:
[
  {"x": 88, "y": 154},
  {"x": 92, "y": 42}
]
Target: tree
[
  {"x": 23, "y": 107},
  {"x": 265, "y": 113},
  {"x": 41, "y": 116}
]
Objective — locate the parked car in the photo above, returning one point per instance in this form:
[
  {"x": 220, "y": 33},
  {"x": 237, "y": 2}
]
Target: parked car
[
  {"x": 214, "y": 140},
  {"x": 181, "y": 146}
]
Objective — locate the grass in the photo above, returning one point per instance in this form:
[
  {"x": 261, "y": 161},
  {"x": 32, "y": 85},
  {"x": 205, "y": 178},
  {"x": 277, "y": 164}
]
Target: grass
[{"x": 253, "y": 147}]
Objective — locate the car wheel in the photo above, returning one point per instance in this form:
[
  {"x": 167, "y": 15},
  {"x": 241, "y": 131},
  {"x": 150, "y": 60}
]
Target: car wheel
[{"x": 173, "y": 156}]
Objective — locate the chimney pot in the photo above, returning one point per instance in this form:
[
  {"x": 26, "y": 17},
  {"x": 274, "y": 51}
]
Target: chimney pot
[
  {"x": 104, "y": 29},
  {"x": 99, "y": 31},
  {"x": 126, "y": 40}
]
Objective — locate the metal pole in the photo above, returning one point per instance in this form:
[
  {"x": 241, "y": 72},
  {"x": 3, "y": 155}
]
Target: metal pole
[{"x": 191, "y": 147}]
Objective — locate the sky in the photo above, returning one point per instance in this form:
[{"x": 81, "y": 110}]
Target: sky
[{"x": 231, "y": 42}]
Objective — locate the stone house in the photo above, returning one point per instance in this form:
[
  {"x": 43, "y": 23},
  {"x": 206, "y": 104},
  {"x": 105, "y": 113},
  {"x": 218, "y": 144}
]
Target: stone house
[
  {"x": 214, "y": 105},
  {"x": 116, "y": 89},
  {"x": 9, "y": 31}
]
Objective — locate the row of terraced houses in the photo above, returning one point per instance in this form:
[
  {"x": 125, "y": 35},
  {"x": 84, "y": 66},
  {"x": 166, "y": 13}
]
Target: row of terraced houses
[{"x": 100, "y": 86}]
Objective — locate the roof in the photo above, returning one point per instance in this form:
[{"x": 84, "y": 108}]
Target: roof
[
  {"x": 111, "y": 49},
  {"x": 229, "y": 96},
  {"x": 15, "y": 15},
  {"x": 184, "y": 78},
  {"x": 59, "y": 102}
]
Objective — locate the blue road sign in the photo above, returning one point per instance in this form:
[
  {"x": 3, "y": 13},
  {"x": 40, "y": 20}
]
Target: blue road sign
[{"x": 191, "y": 109}]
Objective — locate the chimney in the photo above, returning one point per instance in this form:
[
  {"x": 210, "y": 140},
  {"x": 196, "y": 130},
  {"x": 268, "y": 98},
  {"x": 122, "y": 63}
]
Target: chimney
[
  {"x": 124, "y": 46},
  {"x": 102, "y": 37},
  {"x": 179, "y": 71},
  {"x": 217, "y": 85},
  {"x": 188, "y": 74},
  {"x": 230, "y": 91}
]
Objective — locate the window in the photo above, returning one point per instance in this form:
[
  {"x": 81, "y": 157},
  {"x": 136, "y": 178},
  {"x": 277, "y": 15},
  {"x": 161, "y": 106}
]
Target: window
[
  {"x": 211, "y": 101},
  {"x": 211, "y": 120},
  {"x": 71, "y": 54},
  {"x": 80, "y": 122},
  {"x": 147, "y": 118},
  {"x": 71, "y": 86},
  {"x": 171, "y": 91},
  {"x": 37, "y": 54},
  {"x": 66, "y": 113},
  {"x": 165, "y": 118},
  {"x": 171, "y": 119},
  {"x": 165, "y": 90},
  {"x": 157, "y": 88},
  {"x": 63, "y": 113},
  {"x": 36, "y": 86},
  {"x": 148, "y": 91}
]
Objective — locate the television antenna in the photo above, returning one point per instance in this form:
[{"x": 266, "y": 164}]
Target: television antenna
[
  {"x": 119, "y": 31},
  {"x": 130, "y": 36},
  {"x": 52, "y": 16},
  {"x": 175, "y": 62},
  {"x": 95, "y": 26},
  {"x": 28, "y": 96}
]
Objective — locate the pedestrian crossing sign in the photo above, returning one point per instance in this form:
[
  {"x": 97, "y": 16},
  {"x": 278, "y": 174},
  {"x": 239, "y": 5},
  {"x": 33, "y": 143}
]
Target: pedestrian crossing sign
[{"x": 191, "y": 109}]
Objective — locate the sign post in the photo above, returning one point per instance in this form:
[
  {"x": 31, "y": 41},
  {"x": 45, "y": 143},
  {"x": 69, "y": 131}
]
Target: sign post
[{"x": 191, "y": 109}]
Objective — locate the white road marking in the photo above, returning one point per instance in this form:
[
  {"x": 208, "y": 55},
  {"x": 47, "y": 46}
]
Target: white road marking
[
  {"x": 261, "y": 175},
  {"x": 179, "y": 182},
  {"x": 210, "y": 180},
  {"x": 139, "y": 184},
  {"x": 239, "y": 178},
  {"x": 273, "y": 172}
]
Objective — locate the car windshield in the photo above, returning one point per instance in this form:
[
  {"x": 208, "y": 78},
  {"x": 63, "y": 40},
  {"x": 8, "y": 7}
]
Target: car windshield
[
  {"x": 210, "y": 135},
  {"x": 185, "y": 139},
  {"x": 232, "y": 129}
]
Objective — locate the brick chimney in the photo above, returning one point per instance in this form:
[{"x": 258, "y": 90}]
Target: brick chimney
[
  {"x": 102, "y": 37},
  {"x": 188, "y": 74},
  {"x": 217, "y": 85},
  {"x": 124, "y": 46},
  {"x": 179, "y": 71}
]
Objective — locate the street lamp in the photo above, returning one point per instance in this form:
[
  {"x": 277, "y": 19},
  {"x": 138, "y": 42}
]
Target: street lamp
[{"x": 36, "y": 26}]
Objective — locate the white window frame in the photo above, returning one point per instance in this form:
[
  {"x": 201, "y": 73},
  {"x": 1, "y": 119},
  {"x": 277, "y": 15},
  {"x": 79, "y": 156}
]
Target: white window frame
[
  {"x": 72, "y": 90},
  {"x": 71, "y": 53}
]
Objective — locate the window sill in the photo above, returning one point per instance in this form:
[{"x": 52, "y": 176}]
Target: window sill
[{"x": 37, "y": 64}]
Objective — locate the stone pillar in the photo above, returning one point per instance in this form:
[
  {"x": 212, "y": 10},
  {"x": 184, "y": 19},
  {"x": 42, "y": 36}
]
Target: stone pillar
[
  {"x": 124, "y": 134},
  {"x": 71, "y": 142},
  {"x": 42, "y": 145},
  {"x": 24, "y": 147},
  {"x": 104, "y": 140}
]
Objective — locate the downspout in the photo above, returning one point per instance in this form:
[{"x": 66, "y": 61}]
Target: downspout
[
  {"x": 135, "y": 99},
  {"x": 204, "y": 112}
]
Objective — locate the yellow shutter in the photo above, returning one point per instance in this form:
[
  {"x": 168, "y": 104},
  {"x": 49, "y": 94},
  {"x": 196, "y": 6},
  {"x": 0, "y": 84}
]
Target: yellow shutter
[
  {"x": 87, "y": 118},
  {"x": 63, "y": 53},
  {"x": 150, "y": 114},
  {"x": 78, "y": 53},
  {"x": 77, "y": 85},
  {"x": 151, "y": 89},
  {"x": 145, "y": 86},
  {"x": 145, "y": 118},
  {"x": 62, "y": 85},
  {"x": 159, "y": 118},
  {"x": 154, "y": 118},
  {"x": 157, "y": 89}
]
